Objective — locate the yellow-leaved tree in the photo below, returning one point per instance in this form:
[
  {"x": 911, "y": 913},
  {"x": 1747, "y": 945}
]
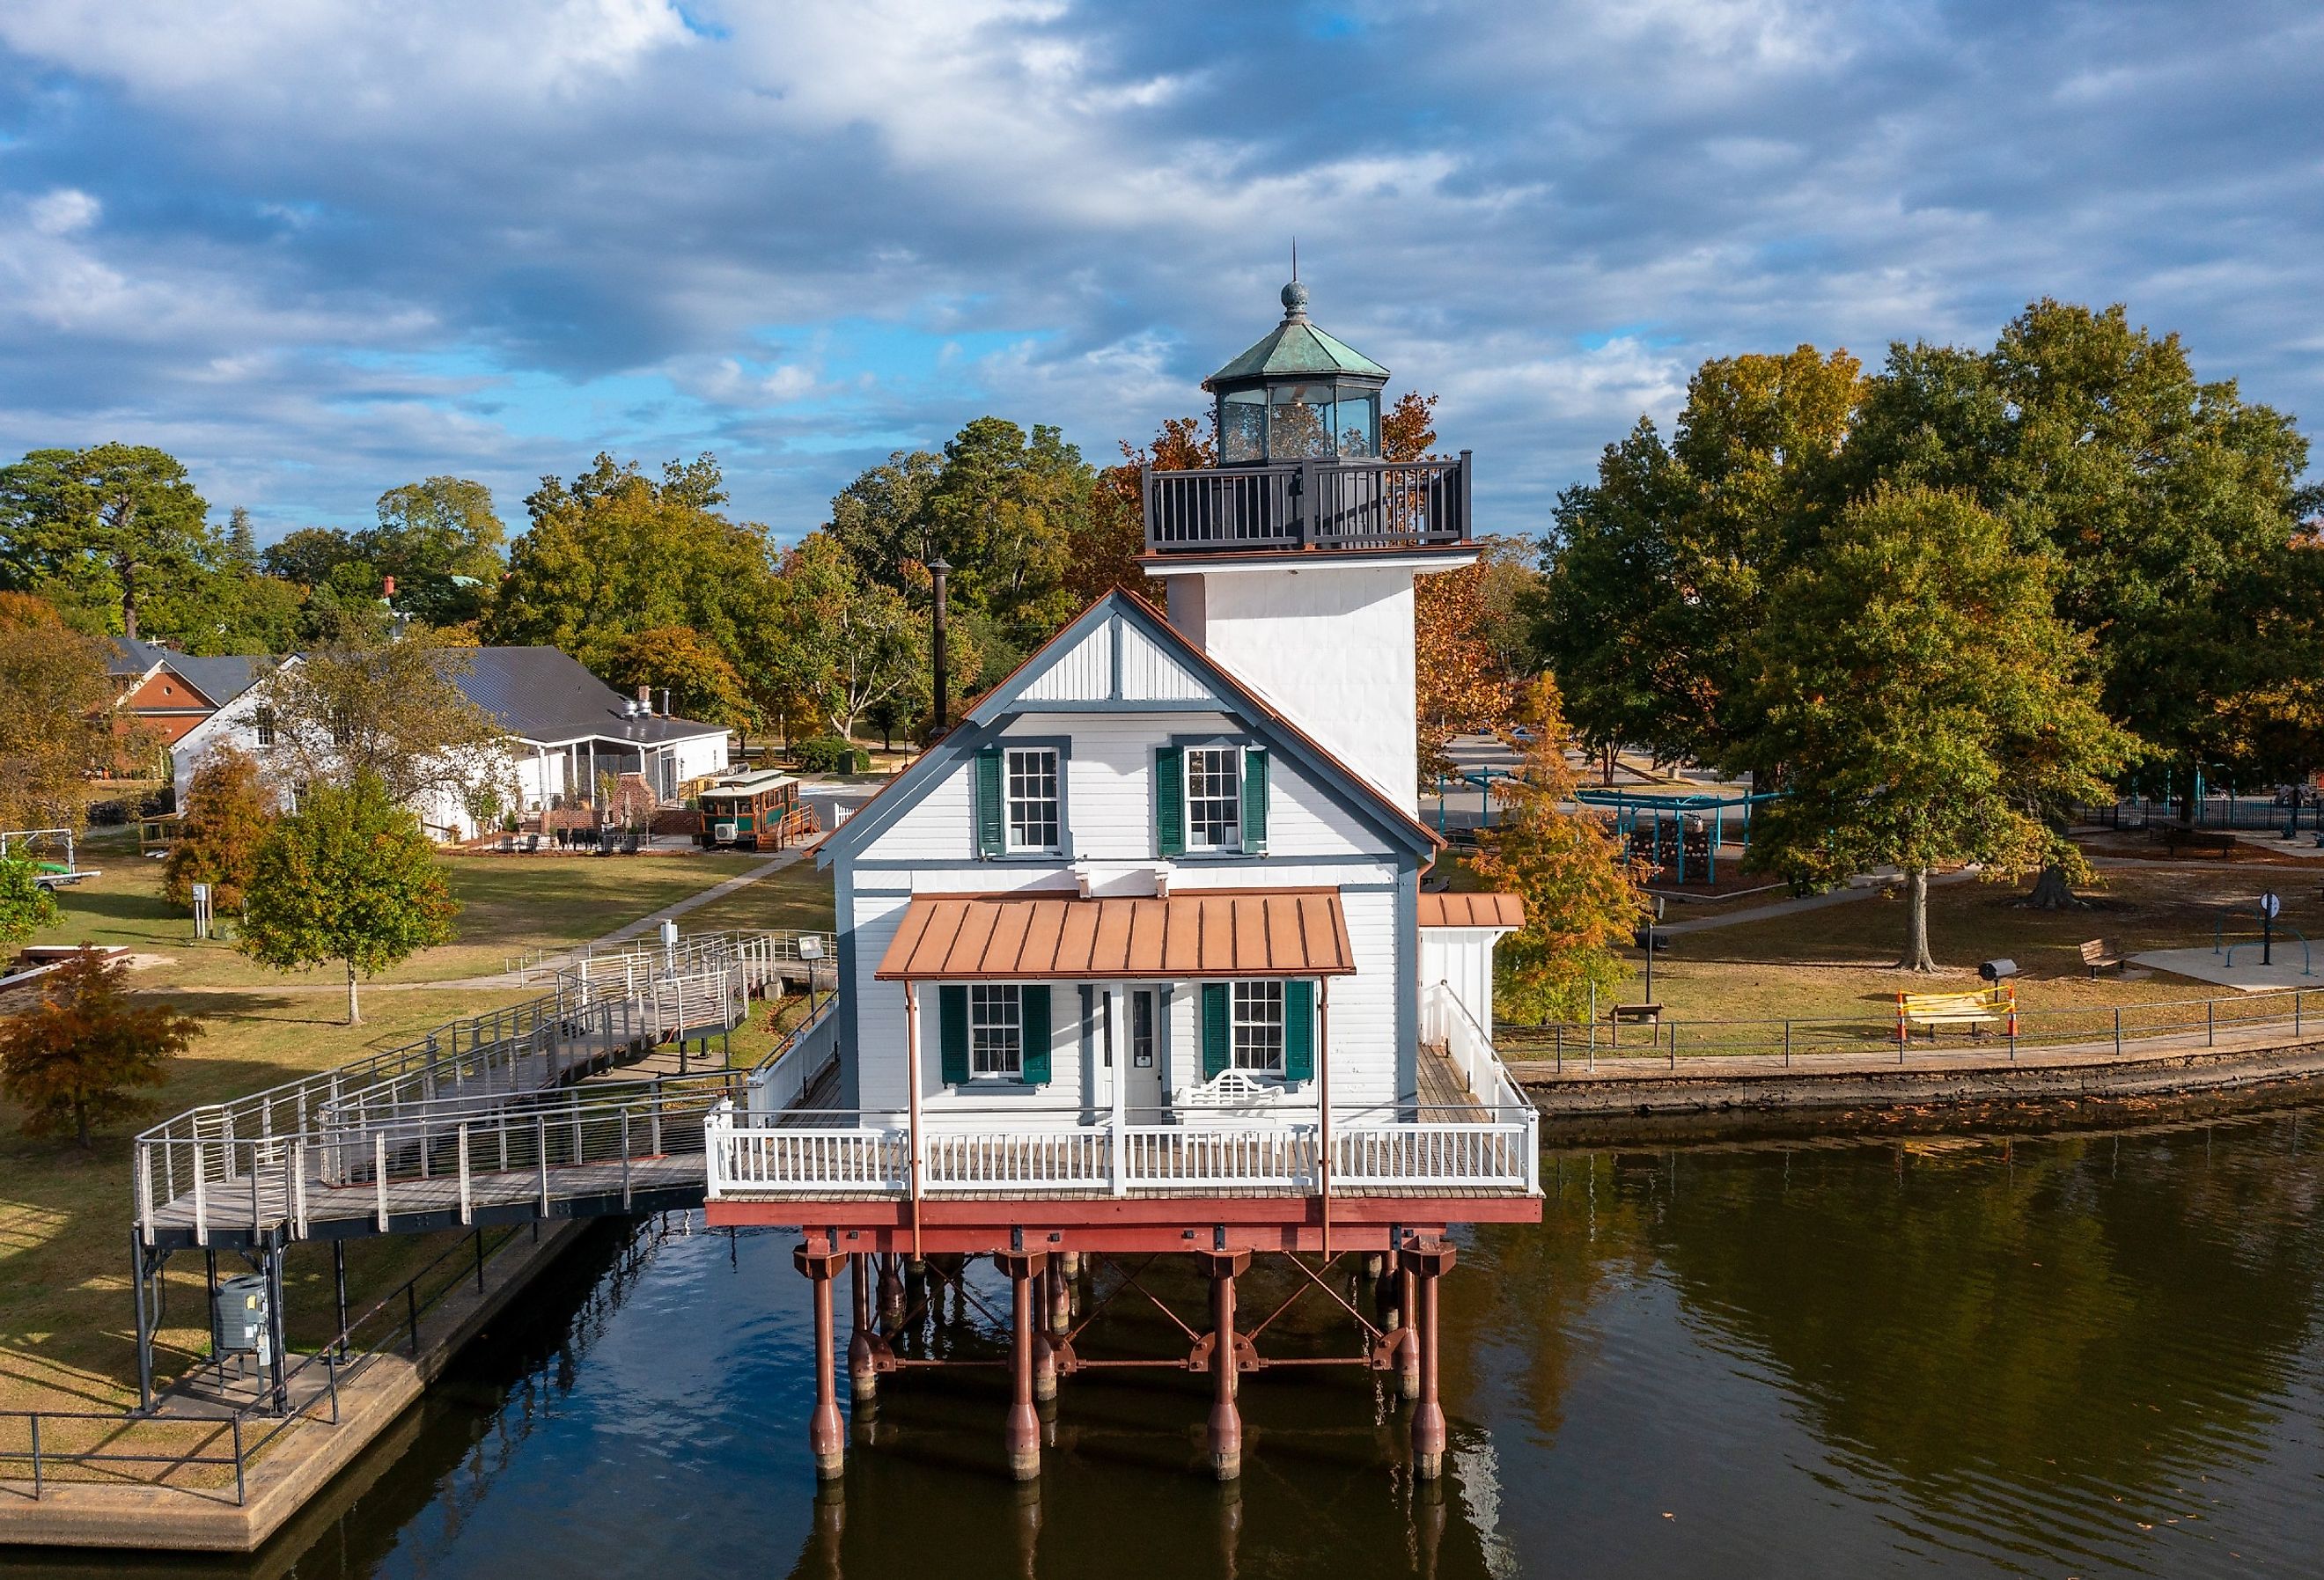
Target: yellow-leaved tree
[{"x": 1583, "y": 902}]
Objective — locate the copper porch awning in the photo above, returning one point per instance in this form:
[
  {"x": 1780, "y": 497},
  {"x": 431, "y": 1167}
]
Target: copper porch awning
[
  {"x": 1480, "y": 910},
  {"x": 1279, "y": 932}
]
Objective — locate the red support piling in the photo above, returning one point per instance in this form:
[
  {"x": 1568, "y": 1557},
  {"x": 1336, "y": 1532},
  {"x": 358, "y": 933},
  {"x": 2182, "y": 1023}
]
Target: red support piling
[
  {"x": 825, "y": 1434},
  {"x": 1022, "y": 1436},
  {"x": 1407, "y": 1349},
  {"x": 862, "y": 1373},
  {"x": 1425, "y": 1262},
  {"x": 1222, "y": 1267}
]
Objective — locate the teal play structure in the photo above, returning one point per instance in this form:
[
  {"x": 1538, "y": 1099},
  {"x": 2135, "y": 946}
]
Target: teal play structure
[{"x": 1683, "y": 832}]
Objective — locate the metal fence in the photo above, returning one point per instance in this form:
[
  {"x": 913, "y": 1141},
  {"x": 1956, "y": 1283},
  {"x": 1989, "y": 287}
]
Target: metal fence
[{"x": 2184, "y": 1023}]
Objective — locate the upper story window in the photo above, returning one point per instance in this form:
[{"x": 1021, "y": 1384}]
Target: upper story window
[
  {"x": 1032, "y": 793},
  {"x": 265, "y": 723},
  {"x": 1258, "y": 1027},
  {"x": 1214, "y": 798},
  {"x": 996, "y": 1030}
]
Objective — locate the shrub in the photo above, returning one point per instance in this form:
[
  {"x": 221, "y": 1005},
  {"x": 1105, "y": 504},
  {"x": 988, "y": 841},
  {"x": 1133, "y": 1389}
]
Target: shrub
[{"x": 831, "y": 754}]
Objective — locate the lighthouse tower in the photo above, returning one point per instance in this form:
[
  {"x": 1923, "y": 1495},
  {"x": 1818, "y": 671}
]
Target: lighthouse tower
[{"x": 1292, "y": 562}]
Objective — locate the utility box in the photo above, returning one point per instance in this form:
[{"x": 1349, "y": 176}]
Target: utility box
[{"x": 239, "y": 1321}]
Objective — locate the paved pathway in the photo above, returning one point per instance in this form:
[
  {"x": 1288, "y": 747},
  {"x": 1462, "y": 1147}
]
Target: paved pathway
[{"x": 1703, "y": 924}]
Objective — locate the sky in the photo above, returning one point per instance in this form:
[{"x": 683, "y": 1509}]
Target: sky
[{"x": 318, "y": 250}]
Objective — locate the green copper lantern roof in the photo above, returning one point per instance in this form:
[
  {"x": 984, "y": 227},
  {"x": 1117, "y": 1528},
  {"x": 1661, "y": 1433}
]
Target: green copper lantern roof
[{"x": 1298, "y": 346}]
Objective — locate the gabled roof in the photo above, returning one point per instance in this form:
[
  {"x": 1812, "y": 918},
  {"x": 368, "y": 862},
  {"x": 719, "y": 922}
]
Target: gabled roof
[
  {"x": 219, "y": 680},
  {"x": 985, "y": 718},
  {"x": 542, "y": 695}
]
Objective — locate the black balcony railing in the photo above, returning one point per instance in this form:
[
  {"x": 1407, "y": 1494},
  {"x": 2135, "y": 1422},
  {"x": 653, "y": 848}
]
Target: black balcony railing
[{"x": 1308, "y": 504}]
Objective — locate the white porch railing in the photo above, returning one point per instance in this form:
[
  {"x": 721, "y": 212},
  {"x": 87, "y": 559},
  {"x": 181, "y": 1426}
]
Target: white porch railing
[{"x": 756, "y": 1155}]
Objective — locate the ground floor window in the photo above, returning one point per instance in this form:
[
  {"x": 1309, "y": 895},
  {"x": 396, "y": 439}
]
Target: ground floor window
[
  {"x": 1258, "y": 1026},
  {"x": 996, "y": 1030}
]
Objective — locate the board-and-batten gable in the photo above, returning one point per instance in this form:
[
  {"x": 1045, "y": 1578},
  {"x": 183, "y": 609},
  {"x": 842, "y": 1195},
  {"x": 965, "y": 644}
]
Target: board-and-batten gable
[{"x": 1139, "y": 653}]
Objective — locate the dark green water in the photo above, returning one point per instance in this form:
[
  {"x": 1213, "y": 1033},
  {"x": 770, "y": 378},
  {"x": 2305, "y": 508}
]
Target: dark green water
[{"x": 2088, "y": 1355}]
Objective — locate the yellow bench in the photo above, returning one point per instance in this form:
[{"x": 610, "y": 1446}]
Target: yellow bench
[{"x": 1975, "y": 1011}]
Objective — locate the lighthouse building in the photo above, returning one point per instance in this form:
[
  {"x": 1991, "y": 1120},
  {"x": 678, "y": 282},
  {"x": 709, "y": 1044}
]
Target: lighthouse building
[{"x": 1137, "y": 957}]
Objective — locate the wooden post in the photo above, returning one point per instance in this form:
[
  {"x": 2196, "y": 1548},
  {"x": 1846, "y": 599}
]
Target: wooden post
[
  {"x": 1022, "y": 1435},
  {"x": 1425, "y": 1262},
  {"x": 1226, "y": 1422},
  {"x": 825, "y": 1437}
]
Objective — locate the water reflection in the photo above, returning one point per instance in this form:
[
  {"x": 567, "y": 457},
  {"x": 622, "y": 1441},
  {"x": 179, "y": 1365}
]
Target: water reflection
[{"x": 2085, "y": 1355}]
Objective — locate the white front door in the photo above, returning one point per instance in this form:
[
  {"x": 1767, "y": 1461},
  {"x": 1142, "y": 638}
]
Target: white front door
[{"x": 1141, "y": 1066}]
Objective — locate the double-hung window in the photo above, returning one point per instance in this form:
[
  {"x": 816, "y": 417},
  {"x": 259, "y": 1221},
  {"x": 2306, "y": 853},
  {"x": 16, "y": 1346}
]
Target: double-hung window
[
  {"x": 1258, "y": 1027},
  {"x": 996, "y": 1030},
  {"x": 1032, "y": 796},
  {"x": 263, "y": 723},
  {"x": 1214, "y": 798}
]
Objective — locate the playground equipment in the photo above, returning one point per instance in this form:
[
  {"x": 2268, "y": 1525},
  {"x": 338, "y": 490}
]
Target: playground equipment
[
  {"x": 27, "y": 844},
  {"x": 1687, "y": 832}
]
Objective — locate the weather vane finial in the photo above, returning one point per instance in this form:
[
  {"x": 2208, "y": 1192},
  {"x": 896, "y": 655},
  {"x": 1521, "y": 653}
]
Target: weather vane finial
[{"x": 1294, "y": 257}]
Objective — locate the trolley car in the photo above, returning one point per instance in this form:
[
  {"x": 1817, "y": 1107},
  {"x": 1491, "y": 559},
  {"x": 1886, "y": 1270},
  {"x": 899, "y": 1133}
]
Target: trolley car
[{"x": 752, "y": 811}]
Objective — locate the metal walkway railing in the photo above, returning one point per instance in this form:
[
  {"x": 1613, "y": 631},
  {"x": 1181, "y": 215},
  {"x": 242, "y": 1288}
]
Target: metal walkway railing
[{"x": 413, "y": 1127}]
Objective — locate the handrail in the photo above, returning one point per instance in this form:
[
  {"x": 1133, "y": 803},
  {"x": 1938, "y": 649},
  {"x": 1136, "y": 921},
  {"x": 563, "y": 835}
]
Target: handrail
[{"x": 2201, "y": 1021}]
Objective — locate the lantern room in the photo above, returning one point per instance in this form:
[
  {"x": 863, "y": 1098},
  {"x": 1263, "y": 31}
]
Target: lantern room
[{"x": 1297, "y": 395}]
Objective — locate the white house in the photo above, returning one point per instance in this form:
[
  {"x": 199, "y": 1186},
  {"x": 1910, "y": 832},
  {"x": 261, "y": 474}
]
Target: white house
[
  {"x": 568, "y": 729},
  {"x": 1169, "y": 871}
]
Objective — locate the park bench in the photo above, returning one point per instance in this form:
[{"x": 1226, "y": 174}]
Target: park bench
[
  {"x": 2177, "y": 836},
  {"x": 2099, "y": 954},
  {"x": 1620, "y": 1015},
  {"x": 1936, "y": 1010}
]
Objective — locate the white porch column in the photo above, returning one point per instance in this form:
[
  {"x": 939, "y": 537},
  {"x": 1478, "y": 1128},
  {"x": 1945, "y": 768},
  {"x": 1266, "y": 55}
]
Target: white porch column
[{"x": 1116, "y": 1038}]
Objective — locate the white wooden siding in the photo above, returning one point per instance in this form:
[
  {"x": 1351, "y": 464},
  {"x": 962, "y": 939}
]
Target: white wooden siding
[
  {"x": 1082, "y": 673},
  {"x": 1149, "y": 674}
]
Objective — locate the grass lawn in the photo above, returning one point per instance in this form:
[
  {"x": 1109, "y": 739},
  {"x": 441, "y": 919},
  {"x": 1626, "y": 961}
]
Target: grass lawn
[
  {"x": 1839, "y": 961},
  {"x": 510, "y": 905},
  {"x": 66, "y": 1333}
]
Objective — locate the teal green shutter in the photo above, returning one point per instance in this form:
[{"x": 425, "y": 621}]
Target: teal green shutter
[
  {"x": 1034, "y": 1007},
  {"x": 1298, "y": 1031},
  {"x": 951, "y": 1033},
  {"x": 1169, "y": 801},
  {"x": 1254, "y": 800},
  {"x": 988, "y": 801},
  {"x": 1218, "y": 1035}
]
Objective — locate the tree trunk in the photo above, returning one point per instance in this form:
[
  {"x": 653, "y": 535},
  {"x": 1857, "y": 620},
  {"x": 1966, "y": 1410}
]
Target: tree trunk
[
  {"x": 2051, "y": 891},
  {"x": 354, "y": 1009},
  {"x": 80, "y": 1125},
  {"x": 1916, "y": 922}
]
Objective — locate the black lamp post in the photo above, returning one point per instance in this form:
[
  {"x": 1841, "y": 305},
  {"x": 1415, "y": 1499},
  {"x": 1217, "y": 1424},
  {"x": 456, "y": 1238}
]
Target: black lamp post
[{"x": 937, "y": 571}]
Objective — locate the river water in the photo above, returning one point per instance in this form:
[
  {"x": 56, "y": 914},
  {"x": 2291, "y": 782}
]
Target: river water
[{"x": 2078, "y": 1355}]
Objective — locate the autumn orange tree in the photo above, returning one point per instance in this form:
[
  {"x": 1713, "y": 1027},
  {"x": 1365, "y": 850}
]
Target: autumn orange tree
[
  {"x": 1582, "y": 901},
  {"x": 227, "y": 813},
  {"x": 1106, "y": 549},
  {"x": 73, "y": 1062}
]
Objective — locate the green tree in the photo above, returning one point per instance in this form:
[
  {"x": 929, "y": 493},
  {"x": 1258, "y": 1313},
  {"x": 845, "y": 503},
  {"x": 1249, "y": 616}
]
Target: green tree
[
  {"x": 227, "y": 812},
  {"x": 114, "y": 523},
  {"x": 1921, "y": 704},
  {"x": 1004, "y": 510},
  {"x": 1657, "y": 572},
  {"x": 849, "y": 644},
  {"x": 701, "y": 683},
  {"x": 881, "y": 519},
  {"x": 26, "y": 906},
  {"x": 615, "y": 554},
  {"x": 2157, "y": 495},
  {"x": 308, "y": 555},
  {"x": 1110, "y": 537},
  {"x": 1582, "y": 903},
  {"x": 72, "y": 1063},
  {"x": 349, "y": 878},
  {"x": 441, "y": 542}
]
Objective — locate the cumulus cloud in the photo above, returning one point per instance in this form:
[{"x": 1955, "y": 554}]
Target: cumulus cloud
[{"x": 321, "y": 246}]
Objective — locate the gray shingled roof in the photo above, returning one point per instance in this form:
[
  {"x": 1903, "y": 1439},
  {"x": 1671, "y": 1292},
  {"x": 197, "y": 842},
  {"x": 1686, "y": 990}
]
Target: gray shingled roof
[
  {"x": 541, "y": 694},
  {"x": 221, "y": 678}
]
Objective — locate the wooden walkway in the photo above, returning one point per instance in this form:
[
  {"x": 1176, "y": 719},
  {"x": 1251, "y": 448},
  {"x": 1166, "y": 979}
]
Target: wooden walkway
[{"x": 1441, "y": 1092}]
